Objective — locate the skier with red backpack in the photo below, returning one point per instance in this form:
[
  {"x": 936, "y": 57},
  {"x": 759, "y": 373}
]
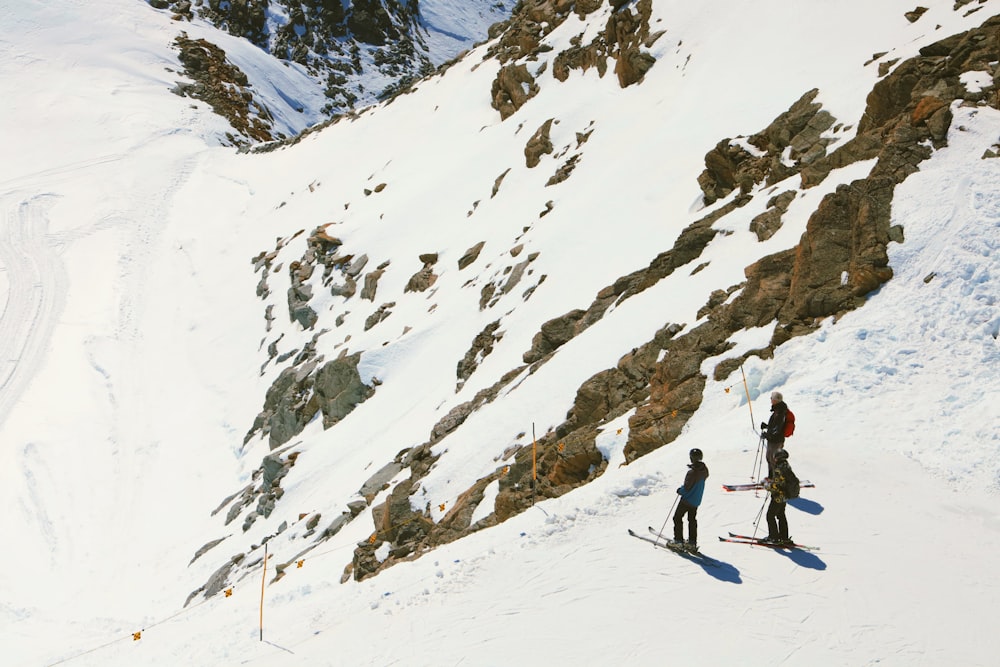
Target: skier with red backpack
[{"x": 777, "y": 428}]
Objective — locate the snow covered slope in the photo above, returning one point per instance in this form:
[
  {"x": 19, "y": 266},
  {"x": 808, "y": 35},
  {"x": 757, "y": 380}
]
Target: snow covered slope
[{"x": 147, "y": 271}]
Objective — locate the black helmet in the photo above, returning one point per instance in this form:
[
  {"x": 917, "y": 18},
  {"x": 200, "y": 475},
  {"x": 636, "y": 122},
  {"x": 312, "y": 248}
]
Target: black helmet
[
  {"x": 696, "y": 455},
  {"x": 781, "y": 455}
]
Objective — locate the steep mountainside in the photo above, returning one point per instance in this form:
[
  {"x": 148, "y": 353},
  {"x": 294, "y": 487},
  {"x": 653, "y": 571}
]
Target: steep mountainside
[
  {"x": 386, "y": 386},
  {"x": 317, "y": 283}
]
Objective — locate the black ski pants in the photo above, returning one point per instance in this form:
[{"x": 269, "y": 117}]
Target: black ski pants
[
  {"x": 684, "y": 507},
  {"x": 777, "y": 524}
]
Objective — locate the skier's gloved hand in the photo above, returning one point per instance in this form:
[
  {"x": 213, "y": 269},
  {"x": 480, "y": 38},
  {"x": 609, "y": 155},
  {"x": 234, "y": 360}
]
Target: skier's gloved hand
[
  {"x": 680, "y": 490},
  {"x": 763, "y": 426}
]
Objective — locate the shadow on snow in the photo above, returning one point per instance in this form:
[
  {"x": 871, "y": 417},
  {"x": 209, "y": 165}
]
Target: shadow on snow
[{"x": 806, "y": 505}]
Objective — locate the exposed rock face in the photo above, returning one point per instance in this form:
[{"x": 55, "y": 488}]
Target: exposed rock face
[
  {"x": 471, "y": 255},
  {"x": 513, "y": 87},
  {"x": 423, "y": 279},
  {"x": 539, "y": 144},
  {"x": 626, "y": 35},
  {"x": 623, "y": 41},
  {"x": 339, "y": 388},
  {"x": 328, "y": 38},
  {"x": 768, "y": 222},
  {"x": 846, "y": 236},
  {"x": 225, "y": 88},
  {"x": 482, "y": 345},
  {"x": 731, "y": 164},
  {"x": 301, "y": 392}
]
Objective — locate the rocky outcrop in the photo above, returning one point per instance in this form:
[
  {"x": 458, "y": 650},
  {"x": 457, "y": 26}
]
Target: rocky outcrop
[
  {"x": 513, "y": 87},
  {"x": 423, "y": 279},
  {"x": 224, "y": 87},
  {"x": 306, "y": 389},
  {"x": 338, "y": 43},
  {"x": 761, "y": 158},
  {"x": 470, "y": 255},
  {"x": 553, "y": 334},
  {"x": 538, "y": 145},
  {"x": 481, "y": 347},
  {"x": 627, "y": 35},
  {"x": 505, "y": 283},
  {"x": 624, "y": 40},
  {"x": 768, "y": 222},
  {"x": 371, "y": 281},
  {"x": 521, "y": 36},
  {"x": 842, "y": 257}
]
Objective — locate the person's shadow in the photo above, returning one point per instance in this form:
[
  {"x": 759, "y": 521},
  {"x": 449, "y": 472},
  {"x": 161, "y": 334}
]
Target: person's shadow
[
  {"x": 799, "y": 557},
  {"x": 803, "y": 558},
  {"x": 726, "y": 572},
  {"x": 806, "y": 505}
]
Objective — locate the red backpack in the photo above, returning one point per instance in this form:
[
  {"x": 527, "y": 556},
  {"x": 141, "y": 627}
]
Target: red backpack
[{"x": 789, "y": 423}]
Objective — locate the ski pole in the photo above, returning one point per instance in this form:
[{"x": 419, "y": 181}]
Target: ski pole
[
  {"x": 534, "y": 463},
  {"x": 757, "y": 460},
  {"x": 756, "y": 522},
  {"x": 656, "y": 542}
]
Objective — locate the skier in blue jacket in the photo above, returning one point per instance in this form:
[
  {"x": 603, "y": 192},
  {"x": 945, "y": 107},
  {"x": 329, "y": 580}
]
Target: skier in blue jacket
[{"x": 690, "y": 499}]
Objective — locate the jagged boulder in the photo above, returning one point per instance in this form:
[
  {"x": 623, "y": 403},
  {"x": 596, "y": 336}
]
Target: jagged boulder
[
  {"x": 553, "y": 334},
  {"x": 371, "y": 282},
  {"x": 481, "y": 347},
  {"x": 762, "y": 158},
  {"x": 538, "y": 145},
  {"x": 512, "y": 88},
  {"x": 301, "y": 392},
  {"x": 769, "y": 222},
  {"x": 470, "y": 255},
  {"x": 423, "y": 279},
  {"x": 339, "y": 388},
  {"x": 626, "y": 35}
]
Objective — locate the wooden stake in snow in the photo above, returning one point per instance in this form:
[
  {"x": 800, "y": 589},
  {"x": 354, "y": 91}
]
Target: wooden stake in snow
[{"x": 263, "y": 579}]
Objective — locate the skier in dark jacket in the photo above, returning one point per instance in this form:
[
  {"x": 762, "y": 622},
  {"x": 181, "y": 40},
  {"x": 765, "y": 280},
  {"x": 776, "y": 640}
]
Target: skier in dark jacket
[
  {"x": 690, "y": 499},
  {"x": 773, "y": 431},
  {"x": 777, "y": 523}
]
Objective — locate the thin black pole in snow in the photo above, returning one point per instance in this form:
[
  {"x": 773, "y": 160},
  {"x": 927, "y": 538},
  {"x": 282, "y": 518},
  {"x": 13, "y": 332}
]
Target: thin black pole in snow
[
  {"x": 758, "y": 460},
  {"x": 534, "y": 463},
  {"x": 657, "y": 542},
  {"x": 756, "y": 522}
]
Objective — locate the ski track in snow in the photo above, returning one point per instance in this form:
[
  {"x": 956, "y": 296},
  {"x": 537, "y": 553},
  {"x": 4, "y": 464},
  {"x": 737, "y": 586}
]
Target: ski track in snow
[{"x": 35, "y": 296}]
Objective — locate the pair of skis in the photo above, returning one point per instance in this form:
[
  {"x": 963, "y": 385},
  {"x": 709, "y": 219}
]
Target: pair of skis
[
  {"x": 758, "y": 486},
  {"x": 679, "y": 549},
  {"x": 761, "y": 542}
]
